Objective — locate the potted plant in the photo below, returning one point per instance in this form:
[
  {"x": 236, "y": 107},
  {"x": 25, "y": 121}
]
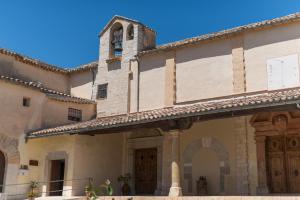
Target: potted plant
[
  {"x": 33, "y": 190},
  {"x": 124, "y": 180},
  {"x": 91, "y": 191},
  {"x": 108, "y": 190}
]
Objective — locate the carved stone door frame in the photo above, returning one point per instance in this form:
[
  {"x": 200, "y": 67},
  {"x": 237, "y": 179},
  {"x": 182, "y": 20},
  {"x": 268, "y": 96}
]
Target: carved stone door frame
[
  {"x": 152, "y": 141},
  {"x": 268, "y": 124}
]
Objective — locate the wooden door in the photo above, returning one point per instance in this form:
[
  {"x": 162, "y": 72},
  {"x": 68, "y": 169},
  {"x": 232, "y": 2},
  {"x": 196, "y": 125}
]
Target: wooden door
[
  {"x": 283, "y": 153},
  {"x": 277, "y": 173},
  {"x": 294, "y": 172},
  {"x": 2, "y": 170},
  {"x": 293, "y": 163},
  {"x": 57, "y": 177},
  {"x": 145, "y": 171},
  {"x": 276, "y": 164}
]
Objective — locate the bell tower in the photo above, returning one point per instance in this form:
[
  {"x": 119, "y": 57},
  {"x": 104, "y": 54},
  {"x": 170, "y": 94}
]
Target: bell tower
[{"x": 120, "y": 41}]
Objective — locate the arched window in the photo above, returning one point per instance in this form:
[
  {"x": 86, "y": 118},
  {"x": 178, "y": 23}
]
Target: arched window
[
  {"x": 130, "y": 32},
  {"x": 2, "y": 170},
  {"x": 116, "y": 40}
]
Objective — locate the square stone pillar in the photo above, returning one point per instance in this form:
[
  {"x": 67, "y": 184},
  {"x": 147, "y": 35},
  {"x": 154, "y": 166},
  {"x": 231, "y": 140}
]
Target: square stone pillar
[
  {"x": 175, "y": 189},
  {"x": 261, "y": 165}
]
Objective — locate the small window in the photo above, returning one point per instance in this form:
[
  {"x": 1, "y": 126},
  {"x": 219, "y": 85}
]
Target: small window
[
  {"x": 26, "y": 101},
  {"x": 102, "y": 91},
  {"x": 75, "y": 115}
]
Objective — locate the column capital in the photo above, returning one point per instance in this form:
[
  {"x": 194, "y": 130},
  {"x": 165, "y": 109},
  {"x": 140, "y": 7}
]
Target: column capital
[{"x": 260, "y": 138}]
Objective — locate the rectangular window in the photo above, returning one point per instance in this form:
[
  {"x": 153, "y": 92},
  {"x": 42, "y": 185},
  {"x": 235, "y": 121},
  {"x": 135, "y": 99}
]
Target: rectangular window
[
  {"x": 74, "y": 115},
  {"x": 26, "y": 101},
  {"x": 283, "y": 72},
  {"x": 102, "y": 91}
]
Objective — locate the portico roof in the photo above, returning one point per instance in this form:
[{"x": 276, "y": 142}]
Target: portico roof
[{"x": 228, "y": 106}]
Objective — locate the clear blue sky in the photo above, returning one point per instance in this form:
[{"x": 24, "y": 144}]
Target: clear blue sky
[{"x": 65, "y": 32}]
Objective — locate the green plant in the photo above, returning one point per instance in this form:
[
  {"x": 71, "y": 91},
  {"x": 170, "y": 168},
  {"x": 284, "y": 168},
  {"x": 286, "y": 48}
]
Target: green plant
[
  {"x": 124, "y": 179},
  {"x": 108, "y": 190},
  {"x": 91, "y": 191},
  {"x": 33, "y": 190}
]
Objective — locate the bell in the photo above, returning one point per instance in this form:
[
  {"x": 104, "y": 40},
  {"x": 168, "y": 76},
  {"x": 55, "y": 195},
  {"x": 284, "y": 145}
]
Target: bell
[
  {"x": 118, "y": 39},
  {"x": 118, "y": 46}
]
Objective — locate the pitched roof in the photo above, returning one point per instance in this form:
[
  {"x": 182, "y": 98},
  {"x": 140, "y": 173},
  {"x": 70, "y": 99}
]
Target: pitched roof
[
  {"x": 37, "y": 63},
  {"x": 91, "y": 65},
  {"x": 225, "y": 33},
  {"x": 209, "y": 107},
  {"x": 116, "y": 17},
  {"x": 50, "y": 93}
]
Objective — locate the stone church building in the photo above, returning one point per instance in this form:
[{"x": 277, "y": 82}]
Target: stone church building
[{"x": 217, "y": 114}]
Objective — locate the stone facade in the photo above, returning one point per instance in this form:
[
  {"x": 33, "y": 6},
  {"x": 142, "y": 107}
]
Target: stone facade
[{"x": 228, "y": 152}]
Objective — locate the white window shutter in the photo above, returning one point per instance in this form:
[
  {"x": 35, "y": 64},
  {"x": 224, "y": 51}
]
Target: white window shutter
[
  {"x": 290, "y": 71},
  {"x": 283, "y": 72},
  {"x": 274, "y": 74}
]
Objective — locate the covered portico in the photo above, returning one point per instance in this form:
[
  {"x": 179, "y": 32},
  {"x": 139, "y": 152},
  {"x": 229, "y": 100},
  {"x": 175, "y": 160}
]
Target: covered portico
[{"x": 160, "y": 136}]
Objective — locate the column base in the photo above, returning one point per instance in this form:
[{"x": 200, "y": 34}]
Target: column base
[
  {"x": 262, "y": 190},
  {"x": 175, "y": 192}
]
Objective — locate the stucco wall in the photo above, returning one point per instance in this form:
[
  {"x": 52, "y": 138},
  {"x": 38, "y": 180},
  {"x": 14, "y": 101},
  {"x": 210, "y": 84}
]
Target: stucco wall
[
  {"x": 204, "y": 71},
  {"x": 82, "y": 84},
  {"x": 56, "y": 113},
  {"x": 16, "y": 119},
  {"x": 213, "y": 140},
  {"x": 263, "y": 45},
  {"x": 56, "y": 81},
  {"x": 40, "y": 149},
  {"x": 99, "y": 157},
  {"x": 152, "y": 82},
  {"x": 223, "y": 131}
]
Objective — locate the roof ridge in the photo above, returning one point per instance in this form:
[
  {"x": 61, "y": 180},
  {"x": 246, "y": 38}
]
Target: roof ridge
[
  {"x": 225, "y": 32},
  {"x": 38, "y": 86},
  {"x": 39, "y": 63}
]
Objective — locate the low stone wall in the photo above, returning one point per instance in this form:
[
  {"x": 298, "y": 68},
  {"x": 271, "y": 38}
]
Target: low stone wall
[{"x": 202, "y": 198}]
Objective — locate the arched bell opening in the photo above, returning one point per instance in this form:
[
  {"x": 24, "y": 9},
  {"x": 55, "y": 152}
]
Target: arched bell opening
[
  {"x": 116, "y": 40},
  {"x": 130, "y": 32}
]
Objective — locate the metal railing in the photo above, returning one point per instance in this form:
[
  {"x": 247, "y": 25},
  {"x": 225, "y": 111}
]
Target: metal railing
[{"x": 20, "y": 191}]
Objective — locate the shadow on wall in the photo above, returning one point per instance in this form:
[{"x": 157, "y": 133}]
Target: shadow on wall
[
  {"x": 271, "y": 36},
  {"x": 204, "y": 50},
  {"x": 213, "y": 158},
  {"x": 114, "y": 66}
]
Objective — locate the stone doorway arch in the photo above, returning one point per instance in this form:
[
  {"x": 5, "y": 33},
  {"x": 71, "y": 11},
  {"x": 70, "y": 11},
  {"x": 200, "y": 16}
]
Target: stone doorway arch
[
  {"x": 191, "y": 150},
  {"x": 9, "y": 150}
]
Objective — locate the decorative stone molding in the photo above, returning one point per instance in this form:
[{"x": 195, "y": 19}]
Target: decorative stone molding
[
  {"x": 9, "y": 146},
  {"x": 217, "y": 147},
  {"x": 268, "y": 124},
  {"x": 142, "y": 133},
  {"x": 140, "y": 139}
]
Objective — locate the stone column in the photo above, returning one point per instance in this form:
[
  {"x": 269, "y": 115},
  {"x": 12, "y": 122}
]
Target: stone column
[
  {"x": 175, "y": 189},
  {"x": 261, "y": 165}
]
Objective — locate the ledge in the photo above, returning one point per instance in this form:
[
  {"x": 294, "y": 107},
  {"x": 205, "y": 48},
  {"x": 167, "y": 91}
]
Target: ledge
[{"x": 114, "y": 59}]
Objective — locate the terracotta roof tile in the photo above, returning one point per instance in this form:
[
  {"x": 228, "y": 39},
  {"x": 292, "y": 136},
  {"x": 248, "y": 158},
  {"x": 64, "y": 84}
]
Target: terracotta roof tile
[
  {"x": 50, "y": 93},
  {"x": 225, "y": 33},
  {"x": 27, "y": 60},
  {"x": 226, "y": 104}
]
